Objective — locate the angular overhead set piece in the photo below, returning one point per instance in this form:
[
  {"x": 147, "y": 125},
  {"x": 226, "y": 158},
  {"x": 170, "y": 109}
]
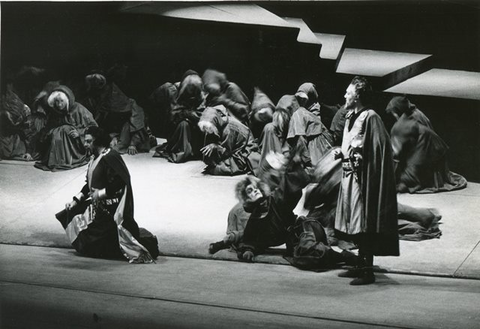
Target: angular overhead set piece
[
  {"x": 243, "y": 13},
  {"x": 305, "y": 35},
  {"x": 389, "y": 68},
  {"x": 443, "y": 83},
  {"x": 331, "y": 45}
]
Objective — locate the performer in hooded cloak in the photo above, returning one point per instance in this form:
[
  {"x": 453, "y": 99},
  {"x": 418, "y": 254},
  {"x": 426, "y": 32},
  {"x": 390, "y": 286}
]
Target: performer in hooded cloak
[
  {"x": 262, "y": 112},
  {"x": 14, "y": 121},
  {"x": 118, "y": 114},
  {"x": 185, "y": 141},
  {"x": 228, "y": 143},
  {"x": 223, "y": 92},
  {"x": 421, "y": 154},
  {"x": 62, "y": 141}
]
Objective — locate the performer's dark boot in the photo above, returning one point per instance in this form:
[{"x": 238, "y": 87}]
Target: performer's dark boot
[
  {"x": 358, "y": 263},
  {"x": 367, "y": 276}
]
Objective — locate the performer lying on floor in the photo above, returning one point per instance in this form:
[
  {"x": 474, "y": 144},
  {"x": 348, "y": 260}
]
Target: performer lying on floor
[{"x": 272, "y": 222}]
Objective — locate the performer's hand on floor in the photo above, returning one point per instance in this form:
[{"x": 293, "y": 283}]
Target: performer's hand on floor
[
  {"x": 27, "y": 157},
  {"x": 70, "y": 205},
  {"x": 132, "y": 150},
  {"x": 247, "y": 256}
]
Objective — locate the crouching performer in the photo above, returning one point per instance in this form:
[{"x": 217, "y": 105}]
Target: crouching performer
[
  {"x": 99, "y": 220},
  {"x": 272, "y": 221}
]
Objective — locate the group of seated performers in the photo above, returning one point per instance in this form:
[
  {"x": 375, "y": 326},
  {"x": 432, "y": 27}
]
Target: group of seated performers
[
  {"x": 211, "y": 118},
  {"x": 341, "y": 159},
  {"x": 50, "y": 129}
]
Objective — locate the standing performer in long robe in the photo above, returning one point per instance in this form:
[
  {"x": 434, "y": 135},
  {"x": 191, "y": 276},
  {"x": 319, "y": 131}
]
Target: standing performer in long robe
[
  {"x": 99, "y": 220},
  {"x": 63, "y": 135},
  {"x": 367, "y": 202}
]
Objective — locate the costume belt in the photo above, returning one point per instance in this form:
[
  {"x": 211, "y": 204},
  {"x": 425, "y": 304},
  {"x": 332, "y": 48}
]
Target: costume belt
[
  {"x": 347, "y": 166},
  {"x": 109, "y": 202}
]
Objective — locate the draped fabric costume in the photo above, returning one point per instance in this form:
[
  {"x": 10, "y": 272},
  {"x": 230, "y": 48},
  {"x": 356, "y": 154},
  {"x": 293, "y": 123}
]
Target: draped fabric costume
[
  {"x": 14, "y": 125},
  {"x": 324, "y": 111},
  {"x": 306, "y": 126},
  {"x": 274, "y": 135},
  {"x": 107, "y": 228},
  {"x": 185, "y": 141},
  {"x": 231, "y": 95},
  {"x": 422, "y": 158},
  {"x": 322, "y": 194},
  {"x": 60, "y": 151},
  {"x": 237, "y": 220},
  {"x": 338, "y": 125},
  {"x": 233, "y": 144},
  {"x": 162, "y": 101},
  {"x": 120, "y": 116},
  {"x": 401, "y": 105},
  {"x": 367, "y": 201},
  {"x": 262, "y": 111}
]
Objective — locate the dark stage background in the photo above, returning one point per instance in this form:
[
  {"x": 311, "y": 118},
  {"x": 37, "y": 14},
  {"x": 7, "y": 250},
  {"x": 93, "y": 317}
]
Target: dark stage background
[{"x": 70, "y": 40}]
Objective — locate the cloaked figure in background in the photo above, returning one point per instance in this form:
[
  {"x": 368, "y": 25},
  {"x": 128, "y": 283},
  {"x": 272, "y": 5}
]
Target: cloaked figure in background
[
  {"x": 306, "y": 127},
  {"x": 274, "y": 135},
  {"x": 308, "y": 98},
  {"x": 223, "y": 92},
  {"x": 162, "y": 101},
  {"x": 185, "y": 140},
  {"x": 420, "y": 154},
  {"x": 400, "y": 106},
  {"x": 118, "y": 114},
  {"x": 262, "y": 112},
  {"x": 61, "y": 141},
  {"x": 228, "y": 143},
  {"x": 338, "y": 125},
  {"x": 14, "y": 128}
]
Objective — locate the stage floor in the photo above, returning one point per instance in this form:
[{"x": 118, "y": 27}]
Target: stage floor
[{"x": 187, "y": 210}]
